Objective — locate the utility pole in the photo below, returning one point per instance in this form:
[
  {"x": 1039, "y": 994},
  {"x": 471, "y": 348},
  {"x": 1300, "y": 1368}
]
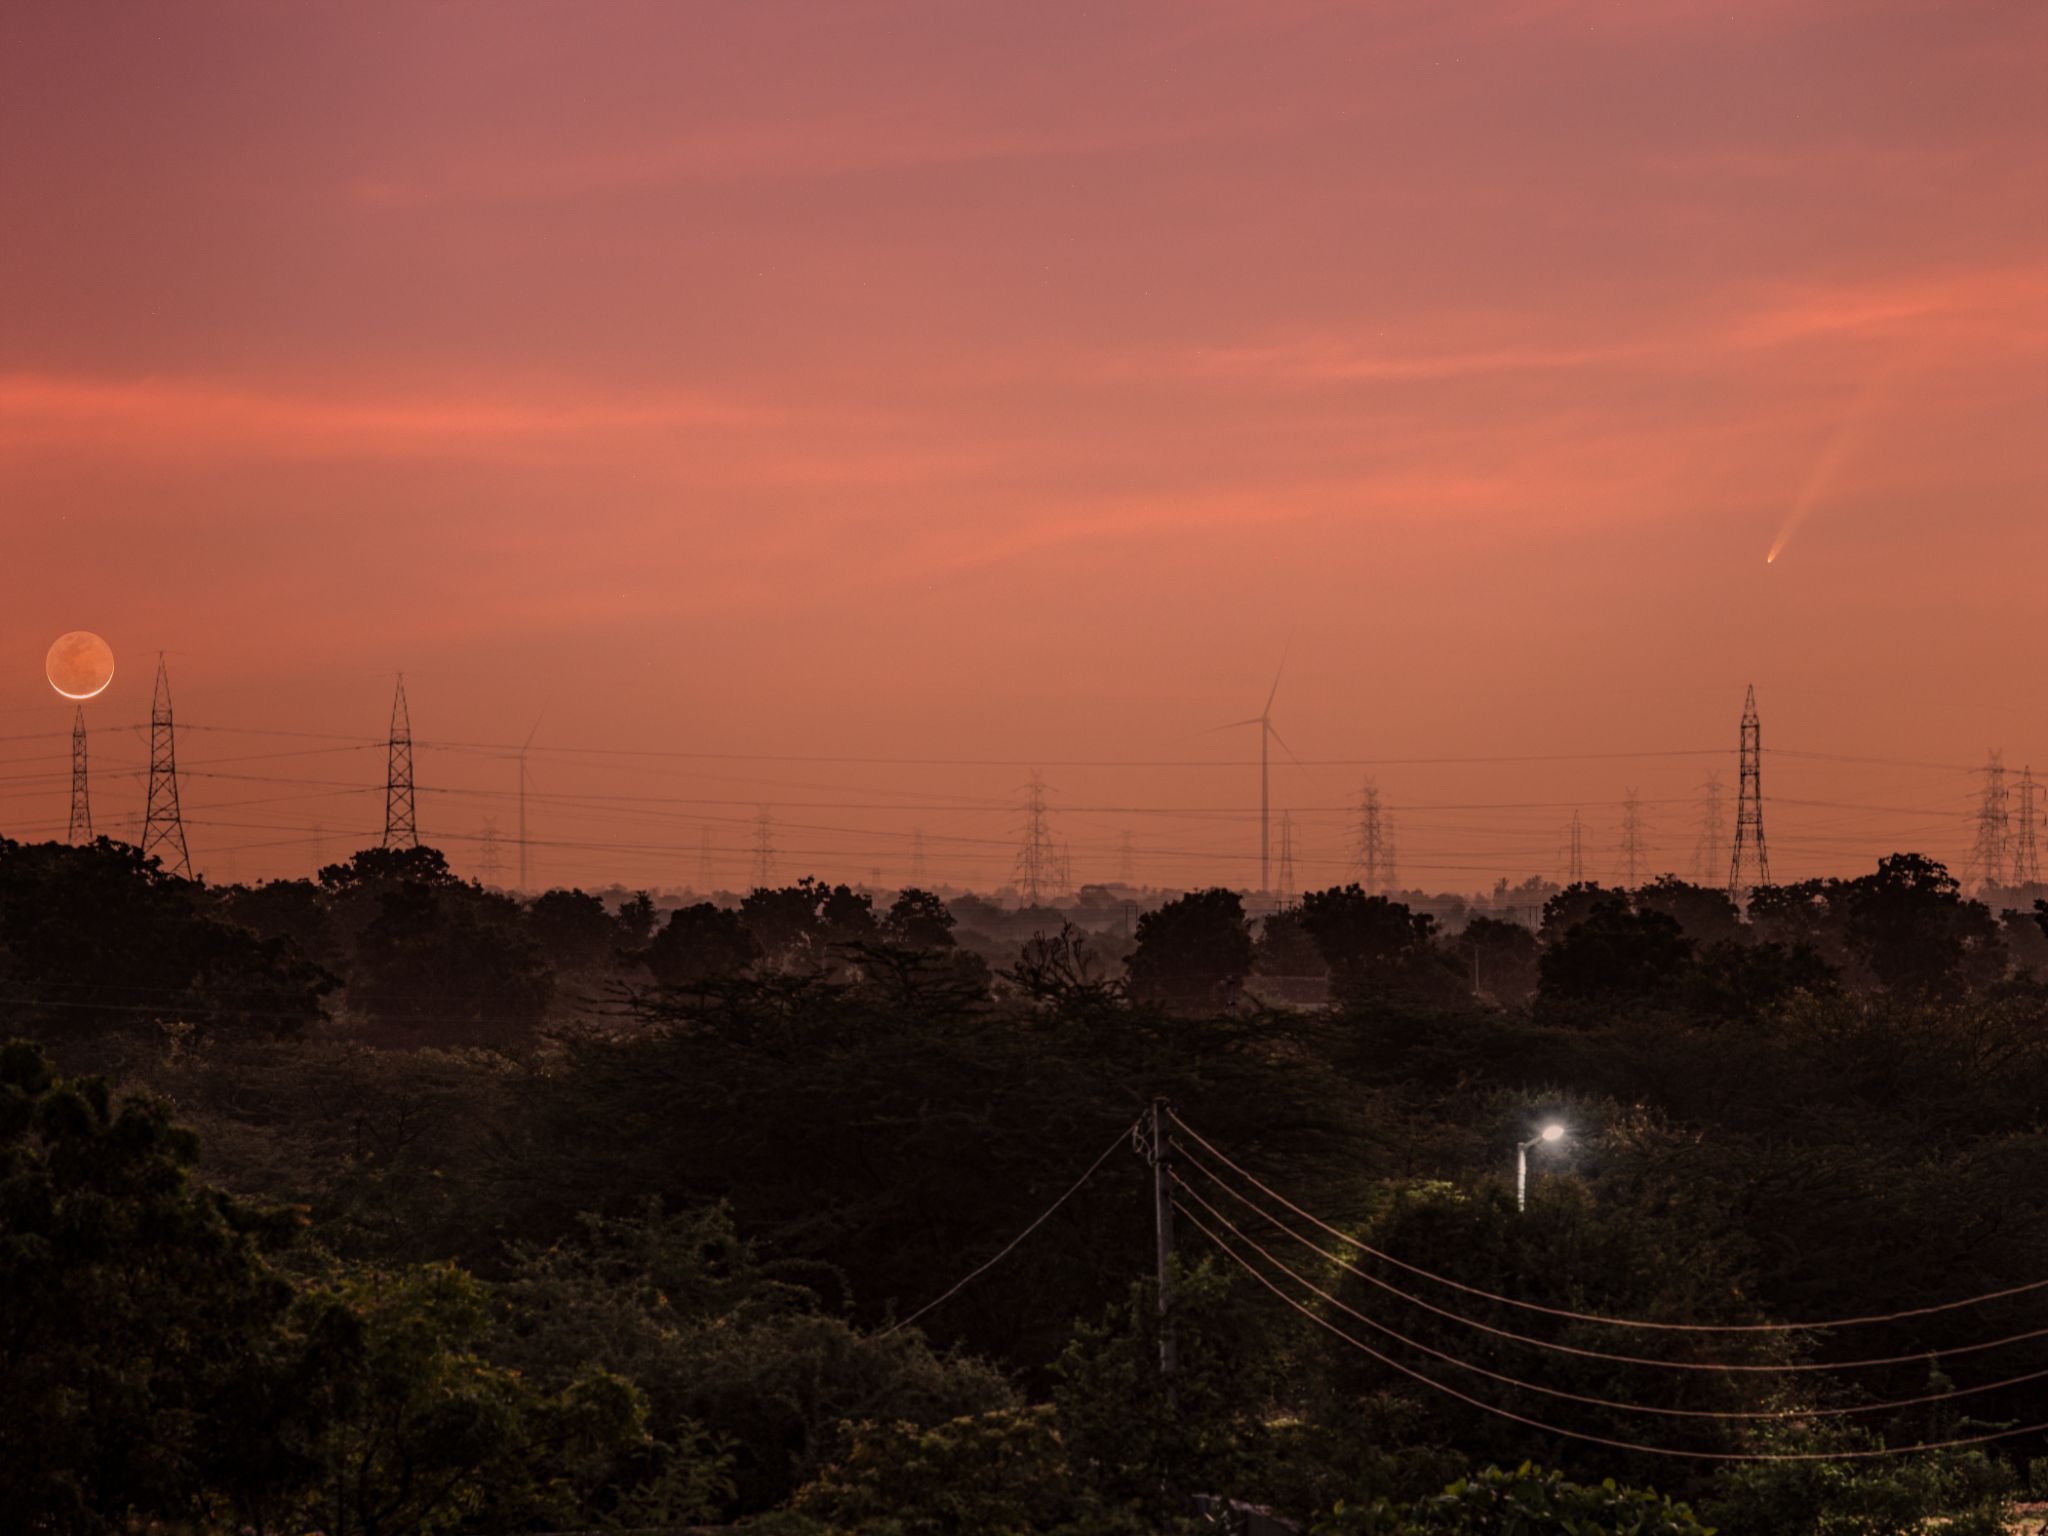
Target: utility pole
[
  {"x": 2026, "y": 842},
  {"x": 1162, "y": 1214},
  {"x": 163, "y": 829},
  {"x": 81, "y": 801},
  {"x": 401, "y": 829},
  {"x": 1749, "y": 806}
]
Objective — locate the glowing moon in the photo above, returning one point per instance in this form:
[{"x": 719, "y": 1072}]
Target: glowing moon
[{"x": 80, "y": 664}]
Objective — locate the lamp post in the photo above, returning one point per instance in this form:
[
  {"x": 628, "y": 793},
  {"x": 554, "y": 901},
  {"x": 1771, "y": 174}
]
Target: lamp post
[{"x": 1549, "y": 1133}]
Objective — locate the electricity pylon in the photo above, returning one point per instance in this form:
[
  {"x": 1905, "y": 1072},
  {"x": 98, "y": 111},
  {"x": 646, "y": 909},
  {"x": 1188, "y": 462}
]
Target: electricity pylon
[
  {"x": 1634, "y": 854},
  {"x": 1575, "y": 852},
  {"x": 401, "y": 829},
  {"x": 1374, "y": 855},
  {"x": 163, "y": 829},
  {"x": 1994, "y": 826},
  {"x": 2026, "y": 839},
  {"x": 1749, "y": 806},
  {"x": 764, "y": 848},
  {"x": 81, "y": 800},
  {"x": 1713, "y": 828},
  {"x": 1038, "y": 861}
]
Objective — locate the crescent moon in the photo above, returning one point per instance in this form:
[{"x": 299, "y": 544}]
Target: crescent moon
[{"x": 79, "y": 665}]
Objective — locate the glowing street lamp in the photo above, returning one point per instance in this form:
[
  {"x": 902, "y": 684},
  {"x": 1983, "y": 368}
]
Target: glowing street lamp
[{"x": 1550, "y": 1133}]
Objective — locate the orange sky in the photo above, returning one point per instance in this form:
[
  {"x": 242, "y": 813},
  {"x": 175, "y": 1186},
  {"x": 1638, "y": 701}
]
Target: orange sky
[{"x": 1011, "y": 383}]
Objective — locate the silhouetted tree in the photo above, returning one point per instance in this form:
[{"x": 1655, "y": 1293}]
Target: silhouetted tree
[
  {"x": 1368, "y": 942},
  {"x": 1499, "y": 957},
  {"x": 98, "y": 939},
  {"x": 699, "y": 944},
  {"x": 636, "y": 919},
  {"x": 1193, "y": 953},
  {"x": 1285, "y": 948},
  {"x": 1704, "y": 912},
  {"x": 918, "y": 920},
  {"x": 573, "y": 930},
  {"x": 1615, "y": 952},
  {"x": 1910, "y": 924}
]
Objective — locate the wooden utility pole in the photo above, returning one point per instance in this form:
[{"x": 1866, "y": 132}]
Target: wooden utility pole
[{"x": 1162, "y": 1210}]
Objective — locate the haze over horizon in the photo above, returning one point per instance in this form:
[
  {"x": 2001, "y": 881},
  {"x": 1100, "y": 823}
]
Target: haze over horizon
[{"x": 995, "y": 387}]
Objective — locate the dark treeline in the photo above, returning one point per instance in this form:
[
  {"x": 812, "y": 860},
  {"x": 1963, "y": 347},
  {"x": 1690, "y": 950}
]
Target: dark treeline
[{"x": 385, "y": 1203}]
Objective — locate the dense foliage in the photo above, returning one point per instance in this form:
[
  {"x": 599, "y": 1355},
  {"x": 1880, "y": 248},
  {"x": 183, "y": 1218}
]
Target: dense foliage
[{"x": 386, "y": 1203}]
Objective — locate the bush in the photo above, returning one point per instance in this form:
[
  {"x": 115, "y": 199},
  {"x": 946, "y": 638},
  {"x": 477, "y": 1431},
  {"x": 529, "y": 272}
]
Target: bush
[{"x": 1525, "y": 1502}]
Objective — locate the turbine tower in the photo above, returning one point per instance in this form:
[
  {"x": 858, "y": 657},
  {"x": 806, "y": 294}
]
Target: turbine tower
[
  {"x": 1267, "y": 735},
  {"x": 81, "y": 802},
  {"x": 1749, "y": 805},
  {"x": 163, "y": 829},
  {"x": 401, "y": 828}
]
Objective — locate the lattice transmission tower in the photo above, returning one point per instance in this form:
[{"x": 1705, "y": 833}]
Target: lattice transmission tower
[
  {"x": 1994, "y": 825},
  {"x": 1373, "y": 843},
  {"x": 490, "y": 868},
  {"x": 163, "y": 829},
  {"x": 1575, "y": 851},
  {"x": 1749, "y": 851},
  {"x": 81, "y": 799},
  {"x": 1126, "y": 859},
  {"x": 1038, "y": 860},
  {"x": 2026, "y": 832},
  {"x": 1635, "y": 854},
  {"x": 1286, "y": 858},
  {"x": 764, "y": 849},
  {"x": 917, "y": 870},
  {"x": 706, "y": 876},
  {"x": 401, "y": 825},
  {"x": 1706, "y": 853}
]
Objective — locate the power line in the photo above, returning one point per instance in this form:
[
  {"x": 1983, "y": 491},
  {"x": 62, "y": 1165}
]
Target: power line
[
  {"x": 1573, "y": 1434},
  {"x": 1044, "y": 1216},
  {"x": 1624, "y": 1322},
  {"x": 1617, "y": 1405}
]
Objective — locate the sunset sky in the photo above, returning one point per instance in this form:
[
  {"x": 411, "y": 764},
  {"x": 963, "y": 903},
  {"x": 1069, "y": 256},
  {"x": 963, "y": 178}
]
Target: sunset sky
[{"x": 987, "y": 386}]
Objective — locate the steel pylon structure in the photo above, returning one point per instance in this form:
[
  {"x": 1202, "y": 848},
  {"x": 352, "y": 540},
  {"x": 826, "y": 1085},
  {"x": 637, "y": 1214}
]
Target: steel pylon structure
[
  {"x": 1373, "y": 854},
  {"x": 1713, "y": 828},
  {"x": 1038, "y": 860},
  {"x": 163, "y": 829},
  {"x": 1575, "y": 852},
  {"x": 1635, "y": 853},
  {"x": 81, "y": 801},
  {"x": 1286, "y": 858},
  {"x": 2026, "y": 837},
  {"x": 764, "y": 849},
  {"x": 1994, "y": 826},
  {"x": 1749, "y": 807},
  {"x": 401, "y": 826}
]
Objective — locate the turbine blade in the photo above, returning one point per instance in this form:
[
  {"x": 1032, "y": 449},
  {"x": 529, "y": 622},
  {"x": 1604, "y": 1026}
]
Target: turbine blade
[
  {"x": 1274, "y": 691},
  {"x": 1287, "y": 749}
]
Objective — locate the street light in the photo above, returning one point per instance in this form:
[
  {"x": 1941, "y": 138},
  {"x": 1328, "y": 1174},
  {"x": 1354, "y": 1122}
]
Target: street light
[{"x": 1549, "y": 1133}]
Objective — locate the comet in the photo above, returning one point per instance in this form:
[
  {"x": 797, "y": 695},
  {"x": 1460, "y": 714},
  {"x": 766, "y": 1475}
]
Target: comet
[{"x": 1828, "y": 463}]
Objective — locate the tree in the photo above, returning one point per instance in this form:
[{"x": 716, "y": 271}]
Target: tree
[
  {"x": 1615, "y": 952},
  {"x": 145, "y": 1365},
  {"x": 1193, "y": 953},
  {"x": 573, "y": 930},
  {"x": 1705, "y": 913},
  {"x": 1368, "y": 942},
  {"x": 918, "y": 920},
  {"x": 698, "y": 944},
  {"x": 1285, "y": 948},
  {"x": 797, "y": 926},
  {"x": 97, "y": 939},
  {"x": 1500, "y": 957},
  {"x": 1910, "y": 925},
  {"x": 421, "y": 1432},
  {"x": 448, "y": 964},
  {"x": 636, "y": 920}
]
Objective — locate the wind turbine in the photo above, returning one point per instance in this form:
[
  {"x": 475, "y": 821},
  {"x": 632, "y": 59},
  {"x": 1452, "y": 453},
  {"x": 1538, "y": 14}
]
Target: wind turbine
[{"x": 1267, "y": 735}]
